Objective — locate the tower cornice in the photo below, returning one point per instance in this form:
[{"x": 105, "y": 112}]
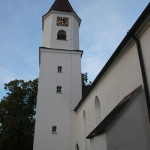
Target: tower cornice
[
  {"x": 53, "y": 50},
  {"x": 54, "y": 11}
]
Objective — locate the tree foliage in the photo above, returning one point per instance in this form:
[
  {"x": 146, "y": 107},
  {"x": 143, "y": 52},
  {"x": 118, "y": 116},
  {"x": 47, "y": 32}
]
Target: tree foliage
[
  {"x": 85, "y": 84},
  {"x": 17, "y": 115},
  {"x": 85, "y": 79}
]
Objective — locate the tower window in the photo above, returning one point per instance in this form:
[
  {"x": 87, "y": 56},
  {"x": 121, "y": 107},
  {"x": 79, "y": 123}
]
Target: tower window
[
  {"x": 77, "y": 147},
  {"x": 58, "y": 90},
  {"x": 61, "y": 35},
  {"x": 59, "y": 69},
  {"x": 54, "y": 129}
]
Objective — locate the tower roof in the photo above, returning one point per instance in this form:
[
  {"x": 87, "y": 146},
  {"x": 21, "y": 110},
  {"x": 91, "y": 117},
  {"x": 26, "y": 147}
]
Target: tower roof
[{"x": 62, "y": 5}]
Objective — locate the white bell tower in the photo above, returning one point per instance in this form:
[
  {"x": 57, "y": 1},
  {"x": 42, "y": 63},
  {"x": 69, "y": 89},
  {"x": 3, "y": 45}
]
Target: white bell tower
[
  {"x": 59, "y": 88},
  {"x": 61, "y": 16}
]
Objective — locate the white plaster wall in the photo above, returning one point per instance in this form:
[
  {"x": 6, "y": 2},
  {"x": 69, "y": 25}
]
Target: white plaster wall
[
  {"x": 145, "y": 45},
  {"x": 51, "y": 29},
  {"x": 99, "y": 143},
  {"x": 122, "y": 78},
  {"x": 130, "y": 130},
  {"x": 75, "y": 34},
  {"x": 88, "y": 106},
  {"x": 47, "y": 31},
  {"x": 55, "y": 109},
  {"x": 80, "y": 131}
]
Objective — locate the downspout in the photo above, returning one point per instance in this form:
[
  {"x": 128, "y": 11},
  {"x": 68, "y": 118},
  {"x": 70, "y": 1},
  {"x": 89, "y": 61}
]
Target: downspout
[{"x": 146, "y": 88}]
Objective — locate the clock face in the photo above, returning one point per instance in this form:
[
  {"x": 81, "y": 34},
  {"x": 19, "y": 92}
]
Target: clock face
[{"x": 62, "y": 21}]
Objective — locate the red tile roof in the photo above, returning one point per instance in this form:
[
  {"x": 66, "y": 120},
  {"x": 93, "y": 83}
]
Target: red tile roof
[{"x": 62, "y": 5}]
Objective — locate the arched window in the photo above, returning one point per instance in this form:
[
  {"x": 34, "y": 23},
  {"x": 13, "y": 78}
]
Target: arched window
[
  {"x": 61, "y": 35},
  {"x": 84, "y": 123},
  {"x": 87, "y": 142},
  {"x": 97, "y": 110},
  {"x": 77, "y": 147}
]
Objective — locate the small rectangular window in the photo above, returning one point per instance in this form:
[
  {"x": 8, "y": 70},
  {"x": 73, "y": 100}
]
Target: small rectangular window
[
  {"x": 58, "y": 90},
  {"x": 59, "y": 69},
  {"x": 54, "y": 129}
]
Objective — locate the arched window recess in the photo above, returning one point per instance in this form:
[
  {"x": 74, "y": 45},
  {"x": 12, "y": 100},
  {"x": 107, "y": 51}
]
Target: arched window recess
[
  {"x": 77, "y": 146},
  {"x": 87, "y": 142},
  {"x": 97, "y": 110},
  {"x": 61, "y": 35}
]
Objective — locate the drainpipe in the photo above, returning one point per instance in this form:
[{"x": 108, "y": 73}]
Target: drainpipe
[{"x": 146, "y": 88}]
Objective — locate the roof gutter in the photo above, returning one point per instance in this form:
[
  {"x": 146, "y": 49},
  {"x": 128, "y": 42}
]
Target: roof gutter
[{"x": 145, "y": 81}]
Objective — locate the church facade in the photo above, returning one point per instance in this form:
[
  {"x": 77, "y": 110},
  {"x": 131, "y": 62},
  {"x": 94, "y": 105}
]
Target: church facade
[{"x": 114, "y": 113}]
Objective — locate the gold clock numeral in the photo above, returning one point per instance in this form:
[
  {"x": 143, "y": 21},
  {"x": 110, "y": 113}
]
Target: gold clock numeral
[{"x": 62, "y": 21}]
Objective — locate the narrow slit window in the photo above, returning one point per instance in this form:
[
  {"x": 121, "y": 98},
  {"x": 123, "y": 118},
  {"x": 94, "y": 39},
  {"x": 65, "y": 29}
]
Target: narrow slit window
[
  {"x": 59, "y": 89},
  {"x": 54, "y": 129},
  {"x": 59, "y": 69}
]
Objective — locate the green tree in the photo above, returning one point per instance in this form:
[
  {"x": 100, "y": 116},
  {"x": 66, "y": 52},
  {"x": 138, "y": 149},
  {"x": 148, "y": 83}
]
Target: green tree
[
  {"x": 85, "y": 84},
  {"x": 85, "y": 79},
  {"x": 17, "y": 115}
]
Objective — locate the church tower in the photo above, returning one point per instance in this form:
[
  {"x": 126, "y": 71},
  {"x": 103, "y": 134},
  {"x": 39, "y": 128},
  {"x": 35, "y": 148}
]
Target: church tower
[{"x": 59, "y": 88}]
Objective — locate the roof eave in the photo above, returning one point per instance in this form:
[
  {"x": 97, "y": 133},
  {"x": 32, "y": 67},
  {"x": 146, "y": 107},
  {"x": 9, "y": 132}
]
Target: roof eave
[
  {"x": 140, "y": 21},
  {"x": 104, "y": 124}
]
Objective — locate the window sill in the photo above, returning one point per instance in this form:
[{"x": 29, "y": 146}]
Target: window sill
[
  {"x": 61, "y": 39},
  {"x": 54, "y": 133},
  {"x": 59, "y": 92}
]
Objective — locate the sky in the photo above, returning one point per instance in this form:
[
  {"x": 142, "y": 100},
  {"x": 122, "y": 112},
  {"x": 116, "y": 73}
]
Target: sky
[{"x": 103, "y": 27}]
